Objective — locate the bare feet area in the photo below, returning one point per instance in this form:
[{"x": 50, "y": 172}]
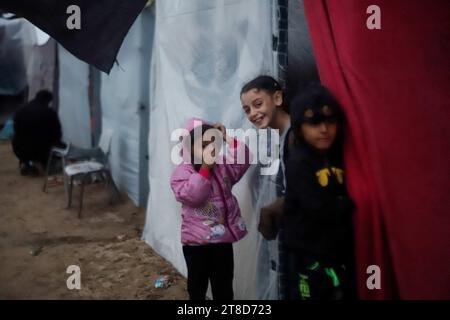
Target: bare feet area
[{"x": 40, "y": 239}]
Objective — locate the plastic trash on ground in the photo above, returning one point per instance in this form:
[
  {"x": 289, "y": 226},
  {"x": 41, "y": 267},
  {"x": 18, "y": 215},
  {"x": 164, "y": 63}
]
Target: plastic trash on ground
[{"x": 162, "y": 282}]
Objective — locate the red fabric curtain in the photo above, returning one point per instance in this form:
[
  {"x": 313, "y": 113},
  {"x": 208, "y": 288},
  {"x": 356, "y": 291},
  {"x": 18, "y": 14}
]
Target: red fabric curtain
[{"x": 394, "y": 85}]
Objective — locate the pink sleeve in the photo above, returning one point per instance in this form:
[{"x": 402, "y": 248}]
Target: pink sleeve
[
  {"x": 190, "y": 188},
  {"x": 238, "y": 159}
]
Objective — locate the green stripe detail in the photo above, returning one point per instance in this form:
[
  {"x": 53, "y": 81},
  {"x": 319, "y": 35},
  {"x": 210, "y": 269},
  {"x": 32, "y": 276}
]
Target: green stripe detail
[
  {"x": 314, "y": 266},
  {"x": 303, "y": 287},
  {"x": 330, "y": 272}
]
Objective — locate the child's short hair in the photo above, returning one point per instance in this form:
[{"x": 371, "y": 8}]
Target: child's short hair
[
  {"x": 265, "y": 83},
  {"x": 44, "y": 96}
]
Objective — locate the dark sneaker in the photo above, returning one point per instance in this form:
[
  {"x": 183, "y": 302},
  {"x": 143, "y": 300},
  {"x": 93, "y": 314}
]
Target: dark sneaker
[
  {"x": 29, "y": 169},
  {"x": 33, "y": 171},
  {"x": 24, "y": 169}
]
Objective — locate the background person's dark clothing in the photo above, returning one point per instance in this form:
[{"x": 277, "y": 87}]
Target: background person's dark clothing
[
  {"x": 211, "y": 262},
  {"x": 36, "y": 130}
]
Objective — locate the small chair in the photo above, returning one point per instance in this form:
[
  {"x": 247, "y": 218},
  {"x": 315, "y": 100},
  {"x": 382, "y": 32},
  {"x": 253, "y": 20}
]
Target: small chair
[
  {"x": 86, "y": 171},
  {"x": 69, "y": 153},
  {"x": 61, "y": 153}
]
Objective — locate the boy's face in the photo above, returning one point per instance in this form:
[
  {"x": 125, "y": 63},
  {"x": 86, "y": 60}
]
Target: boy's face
[
  {"x": 261, "y": 106},
  {"x": 320, "y": 136}
]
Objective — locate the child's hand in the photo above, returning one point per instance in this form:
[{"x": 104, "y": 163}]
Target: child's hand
[
  {"x": 223, "y": 130},
  {"x": 209, "y": 156},
  {"x": 207, "y": 166},
  {"x": 269, "y": 220},
  {"x": 219, "y": 126}
]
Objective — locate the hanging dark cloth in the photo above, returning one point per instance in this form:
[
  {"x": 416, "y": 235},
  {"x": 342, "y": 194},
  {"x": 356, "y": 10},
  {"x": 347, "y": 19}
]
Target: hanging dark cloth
[{"x": 104, "y": 25}]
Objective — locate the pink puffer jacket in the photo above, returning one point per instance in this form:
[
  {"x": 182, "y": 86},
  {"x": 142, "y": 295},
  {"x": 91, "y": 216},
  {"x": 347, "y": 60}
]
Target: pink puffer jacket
[{"x": 210, "y": 212}]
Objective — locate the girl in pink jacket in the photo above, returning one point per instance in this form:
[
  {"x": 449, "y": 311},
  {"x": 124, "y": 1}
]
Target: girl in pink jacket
[{"x": 211, "y": 218}]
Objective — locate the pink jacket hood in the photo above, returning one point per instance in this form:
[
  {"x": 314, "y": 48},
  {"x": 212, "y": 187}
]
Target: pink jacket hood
[{"x": 190, "y": 125}]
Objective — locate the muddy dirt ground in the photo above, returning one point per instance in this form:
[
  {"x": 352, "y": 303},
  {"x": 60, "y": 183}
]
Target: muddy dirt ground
[{"x": 40, "y": 238}]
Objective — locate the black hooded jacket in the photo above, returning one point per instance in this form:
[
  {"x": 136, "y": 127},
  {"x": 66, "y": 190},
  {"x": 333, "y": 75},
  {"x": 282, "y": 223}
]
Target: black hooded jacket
[{"x": 317, "y": 212}]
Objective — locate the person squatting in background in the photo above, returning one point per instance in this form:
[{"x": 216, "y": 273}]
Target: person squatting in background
[
  {"x": 211, "y": 218},
  {"x": 36, "y": 130}
]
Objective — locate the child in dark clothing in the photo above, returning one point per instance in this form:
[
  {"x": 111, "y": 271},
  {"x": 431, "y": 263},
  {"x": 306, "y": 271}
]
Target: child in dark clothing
[{"x": 317, "y": 211}]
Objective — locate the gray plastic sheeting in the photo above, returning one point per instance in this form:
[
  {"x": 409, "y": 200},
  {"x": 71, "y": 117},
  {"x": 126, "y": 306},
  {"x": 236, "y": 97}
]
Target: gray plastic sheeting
[
  {"x": 301, "y": 63},
  {"x": 204, "y": 52},
  {"x": 73, "y": 101},
  {"x": 16, "y": 41},
  {"x": 121, "y": 95},
  {"x": 121, "y": 99}
]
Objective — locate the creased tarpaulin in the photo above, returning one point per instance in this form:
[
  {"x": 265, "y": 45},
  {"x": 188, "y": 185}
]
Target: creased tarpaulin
[
  {"x": 200, "y": 73},
  {"x": 394, "y": 85},
  {"x": 104, "y": 24},
  {"x": 16, "y": 44}
]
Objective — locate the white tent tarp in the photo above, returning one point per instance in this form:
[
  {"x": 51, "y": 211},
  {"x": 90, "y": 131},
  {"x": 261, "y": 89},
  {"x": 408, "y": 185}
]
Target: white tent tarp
[
  {"x": 204, "y": 51},
  {"x": 121, "y": 95},
  {"x": 74, "y": 112},
  {"x": 120, "y": 112}
]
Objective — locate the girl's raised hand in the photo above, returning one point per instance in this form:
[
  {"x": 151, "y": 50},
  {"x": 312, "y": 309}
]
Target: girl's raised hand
[
  {"x": 219, "y": 126},
  {"x": 209, "y": 156}
]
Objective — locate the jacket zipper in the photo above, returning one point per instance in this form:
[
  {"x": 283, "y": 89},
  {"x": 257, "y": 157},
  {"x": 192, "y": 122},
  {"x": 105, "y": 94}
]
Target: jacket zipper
[{"x": 225, "y": 206}]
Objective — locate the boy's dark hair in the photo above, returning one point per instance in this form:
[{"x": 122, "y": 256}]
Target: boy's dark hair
[
  {"x": 315, "y": 96},
  {"x": 44, "y": 97},
  {"x": 204, "y": 128},
  {"x": 268, "y": 84}
]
